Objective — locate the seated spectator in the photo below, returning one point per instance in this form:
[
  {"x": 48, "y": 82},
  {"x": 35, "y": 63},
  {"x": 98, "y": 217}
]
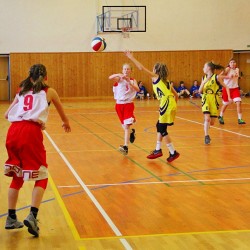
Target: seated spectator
[
  {"x": 143, "y": 91},
  {"x": 194, "y": 91},
  {"x": 182, "y": 90}
]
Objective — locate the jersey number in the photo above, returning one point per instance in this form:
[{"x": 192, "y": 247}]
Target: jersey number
[{"x": 28, "y": 102}]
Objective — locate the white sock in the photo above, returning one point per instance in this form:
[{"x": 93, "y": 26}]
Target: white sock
[
  {"x": 239, "y": 116},
  {"x": 158, "y": 145},
  {"x": 171, "y": 148},
  {"x": 206, "y": 127},
  {"x": 221, "y": 114}
]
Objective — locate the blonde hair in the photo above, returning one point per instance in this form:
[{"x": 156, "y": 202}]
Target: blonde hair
[{"x": 127, "y": 64}]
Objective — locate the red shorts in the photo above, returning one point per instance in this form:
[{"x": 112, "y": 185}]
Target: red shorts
[
  {"x": 234, "y": 94},
  {"x": 24, "y": 144},
  {"x": 125, "y": 113}
]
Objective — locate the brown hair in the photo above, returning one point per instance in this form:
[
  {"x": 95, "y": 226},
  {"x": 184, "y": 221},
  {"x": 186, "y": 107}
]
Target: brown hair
[
  {"x": 162, "y": 71},
  {"x": 214, "y": 66},
  {"x": 37, "y": 73}
]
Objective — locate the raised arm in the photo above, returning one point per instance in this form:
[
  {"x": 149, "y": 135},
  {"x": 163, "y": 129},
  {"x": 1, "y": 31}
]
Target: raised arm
[
  {"x": 10, "y": 107},
  {"x": 138, "y": 64},
  {"x": 53, "y": 96}
]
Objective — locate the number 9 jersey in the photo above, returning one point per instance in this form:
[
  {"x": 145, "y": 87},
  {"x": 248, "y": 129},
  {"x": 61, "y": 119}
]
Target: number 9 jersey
[{"x": 30, "y": 107}]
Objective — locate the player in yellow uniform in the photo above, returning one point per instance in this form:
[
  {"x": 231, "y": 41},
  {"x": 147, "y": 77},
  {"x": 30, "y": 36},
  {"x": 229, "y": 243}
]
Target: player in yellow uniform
[
  {"x": 167, "y": 96},
  {"x": 210, "y": 103}
]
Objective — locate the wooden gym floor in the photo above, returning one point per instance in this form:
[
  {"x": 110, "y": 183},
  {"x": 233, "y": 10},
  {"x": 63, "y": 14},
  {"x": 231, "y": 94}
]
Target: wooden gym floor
[{"x": 100, "y": 199}]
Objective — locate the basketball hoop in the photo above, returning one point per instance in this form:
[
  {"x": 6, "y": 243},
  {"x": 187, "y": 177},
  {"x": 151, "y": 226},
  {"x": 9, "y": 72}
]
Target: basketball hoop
[{"x": 125, "y": 32}]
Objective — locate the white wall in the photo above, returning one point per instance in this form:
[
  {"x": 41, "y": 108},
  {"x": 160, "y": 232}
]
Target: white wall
[{"x": 69, "y": 25}]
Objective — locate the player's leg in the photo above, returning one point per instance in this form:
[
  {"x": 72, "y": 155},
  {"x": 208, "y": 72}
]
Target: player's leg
[
  {"x": 173, "y": 154},
  {"x": 12, "y": 221},
  {"x": 239, "y": 112},
  {"x": 37, "y": 195},
  {"x": 207, "y": 121},
  {"x": 225, "y": 103},
  {"x": 157, "y": 152}
]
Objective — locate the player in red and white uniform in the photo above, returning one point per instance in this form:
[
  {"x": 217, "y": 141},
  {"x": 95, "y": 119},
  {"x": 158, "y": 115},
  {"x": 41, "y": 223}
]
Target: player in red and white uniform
[
  {"x": 231, "y": 81},
  {"x": 24, "y": 143},
  {"x": 125, "y": 89}
]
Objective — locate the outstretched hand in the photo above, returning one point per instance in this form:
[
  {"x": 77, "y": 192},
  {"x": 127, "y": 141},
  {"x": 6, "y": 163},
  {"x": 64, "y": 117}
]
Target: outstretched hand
[{"x": 128, "y": 54}]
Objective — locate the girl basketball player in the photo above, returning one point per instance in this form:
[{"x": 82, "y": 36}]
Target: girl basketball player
[
  {"x": 167, "y": 96},
  {"x": 232, "y": 74},
  {"x": 125, "y": 89},
  {"x": 26, "y": 154},
  {"x": 209, "y": 88}
]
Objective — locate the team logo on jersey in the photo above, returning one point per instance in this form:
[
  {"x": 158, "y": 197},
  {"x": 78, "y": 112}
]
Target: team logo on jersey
[
  {"x": 159, "y": 92},
  {"x": 164, "y": 108}
]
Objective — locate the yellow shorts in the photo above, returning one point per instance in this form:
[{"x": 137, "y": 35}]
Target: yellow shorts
[
  {"x": 210, "y": 104},
  {"x": 168, "y": 111}
]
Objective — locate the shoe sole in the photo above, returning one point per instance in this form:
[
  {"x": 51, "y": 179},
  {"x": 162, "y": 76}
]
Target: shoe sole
[
  {"x": 30, "y": 229},
  {"x": 174, "y": 158},
  {"x": 132, "y": 136},
  {"x": 9, "y": 228},
  {"x": 154, "y": 157}
]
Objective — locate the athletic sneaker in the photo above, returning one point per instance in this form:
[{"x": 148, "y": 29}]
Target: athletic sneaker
[
  {"x": 132, "y": 136},
  {"x": 221, "y": 120},
  {"x": 123, "y": 149},
  {"x": 31, "y": 223},
  {"x": 240, "y": 121},
  {"x": 155, "y": 154},
  {"x": 173, "y": 157},
  {"x": 12, "y": 223},
  {"x": 207, "y": 139}
]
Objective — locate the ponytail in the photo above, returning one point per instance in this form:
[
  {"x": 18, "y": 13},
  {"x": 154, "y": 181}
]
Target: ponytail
[
  {"x": 35, "y": 80},
  {"x": 214, "y": 66}
]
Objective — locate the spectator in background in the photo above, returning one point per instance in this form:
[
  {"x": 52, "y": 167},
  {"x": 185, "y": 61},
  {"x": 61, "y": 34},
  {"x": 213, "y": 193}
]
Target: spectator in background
[
  {"x": 194, "y": 90},
  {"x": 183, "y": 91},
  {"x": 142, "y": 92}
]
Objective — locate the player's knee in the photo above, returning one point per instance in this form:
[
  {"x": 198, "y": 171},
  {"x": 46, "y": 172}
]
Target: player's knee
[
  {"x": 162, "y": 129},
  {"x": 42, "y": 183},
  {"x": 125, "y": 126},
  {"x": 17, "y": 183}
]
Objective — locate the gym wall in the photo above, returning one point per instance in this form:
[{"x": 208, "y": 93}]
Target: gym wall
[
  {"x": 86, "y": 74},
  {"x": 69, "y": 26}
]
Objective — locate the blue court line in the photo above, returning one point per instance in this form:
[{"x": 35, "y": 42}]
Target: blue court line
[{"x": 131, "y": 181}]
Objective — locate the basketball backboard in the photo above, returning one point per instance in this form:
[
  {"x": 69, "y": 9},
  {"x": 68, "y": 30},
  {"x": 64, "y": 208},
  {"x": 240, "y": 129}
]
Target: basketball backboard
[{"x": 115, "y": 18}]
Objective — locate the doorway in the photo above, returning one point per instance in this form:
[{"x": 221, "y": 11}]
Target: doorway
[
  {"x": 4, "y": 78},
  {"x": 243, "y": 62}
]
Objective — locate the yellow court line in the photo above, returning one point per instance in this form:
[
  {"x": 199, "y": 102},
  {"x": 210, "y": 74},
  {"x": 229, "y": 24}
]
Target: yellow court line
[
  {"x": 167, "y": 234},
  {"x": 64, "y": 210}
]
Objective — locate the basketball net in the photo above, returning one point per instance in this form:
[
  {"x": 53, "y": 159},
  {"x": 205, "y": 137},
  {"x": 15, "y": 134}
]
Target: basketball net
[{"x": 125, "y": 32}]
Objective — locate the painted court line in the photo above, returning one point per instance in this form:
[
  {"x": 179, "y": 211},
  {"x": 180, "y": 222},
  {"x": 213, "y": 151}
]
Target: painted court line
[
  {"x": 167, "y": 182},
  {"x": 170, "y": 234},
  {"x": 91, "y": 196},
  {"x": 222, "y": 129}
]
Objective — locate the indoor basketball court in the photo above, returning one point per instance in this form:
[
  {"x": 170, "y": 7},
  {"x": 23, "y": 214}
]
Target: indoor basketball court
[{"x": 98, "y": 198}]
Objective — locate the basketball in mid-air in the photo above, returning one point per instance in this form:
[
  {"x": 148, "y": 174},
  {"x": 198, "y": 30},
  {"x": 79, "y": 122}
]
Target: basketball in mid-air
[{"x": 98, "y": 44}]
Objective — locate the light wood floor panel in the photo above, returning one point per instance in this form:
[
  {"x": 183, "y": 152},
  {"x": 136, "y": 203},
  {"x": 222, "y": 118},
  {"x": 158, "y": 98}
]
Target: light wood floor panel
[{"x": 200, "y": 201}]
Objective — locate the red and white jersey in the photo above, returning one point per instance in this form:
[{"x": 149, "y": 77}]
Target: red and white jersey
[
  {"x": 234, "y": 76},
  {"x": 30, "y": 107},
  {"x": 123, "y": 92}
]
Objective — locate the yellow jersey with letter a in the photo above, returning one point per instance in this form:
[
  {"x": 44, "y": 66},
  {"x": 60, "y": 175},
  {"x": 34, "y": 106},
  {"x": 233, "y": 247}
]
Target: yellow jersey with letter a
[
  {"x": 167, "y": 101},
  {"x": 211, "y": 86}
]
